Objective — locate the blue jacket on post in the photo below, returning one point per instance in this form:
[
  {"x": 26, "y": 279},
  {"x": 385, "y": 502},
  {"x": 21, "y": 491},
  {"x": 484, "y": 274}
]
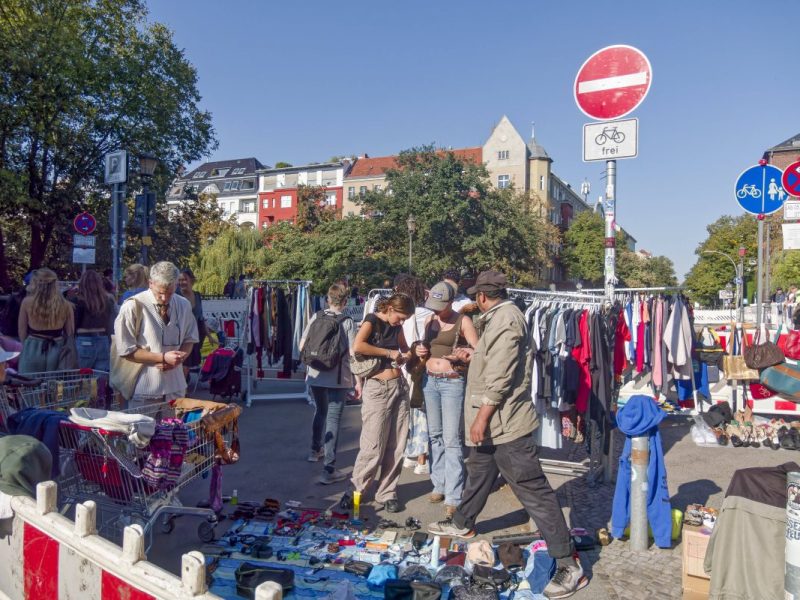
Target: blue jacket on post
[{"x": 639, "y": 417}]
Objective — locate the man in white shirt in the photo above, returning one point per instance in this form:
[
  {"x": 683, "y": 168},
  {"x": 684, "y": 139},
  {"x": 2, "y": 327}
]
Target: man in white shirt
[
  {"x": 453, "y": 277},
  {"x": 166, "y": 333}
]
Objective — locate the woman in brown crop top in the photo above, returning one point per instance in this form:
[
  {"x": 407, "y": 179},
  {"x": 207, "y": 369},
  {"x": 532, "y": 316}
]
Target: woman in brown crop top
[{"x": 444, "y": 388}]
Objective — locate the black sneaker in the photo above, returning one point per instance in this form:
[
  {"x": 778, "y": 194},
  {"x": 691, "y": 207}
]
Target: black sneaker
[
  {"x": 393, "y": 505},
  {"x": 448, "y": 528}
]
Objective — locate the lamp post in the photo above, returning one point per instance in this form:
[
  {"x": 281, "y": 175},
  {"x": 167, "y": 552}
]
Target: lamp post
[
  {"x": 147, "y": 166},
  {"x": 738, "y": 276},
  {"x": 411, "y": 223}
]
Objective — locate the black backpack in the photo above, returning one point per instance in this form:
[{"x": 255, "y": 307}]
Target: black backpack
[{"x": 326, "y": 342}]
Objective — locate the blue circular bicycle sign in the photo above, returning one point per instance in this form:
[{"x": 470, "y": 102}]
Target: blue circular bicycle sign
[{"x": 758, "y": 190}]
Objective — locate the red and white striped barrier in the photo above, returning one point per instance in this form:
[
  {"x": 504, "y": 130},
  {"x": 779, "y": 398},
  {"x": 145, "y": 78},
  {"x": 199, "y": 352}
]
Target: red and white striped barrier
[{"x": 48, "y": 557}]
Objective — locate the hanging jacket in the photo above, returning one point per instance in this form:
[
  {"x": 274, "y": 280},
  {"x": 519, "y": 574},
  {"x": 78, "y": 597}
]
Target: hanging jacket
[{"x": 641, "y": 416}]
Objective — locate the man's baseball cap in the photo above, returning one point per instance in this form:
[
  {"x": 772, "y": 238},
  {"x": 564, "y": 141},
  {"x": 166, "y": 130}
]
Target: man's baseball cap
[
  {"x": 488, "y": 281},
  {"x": 24, "y": 462},
  {"x": 440, "y": 296}
]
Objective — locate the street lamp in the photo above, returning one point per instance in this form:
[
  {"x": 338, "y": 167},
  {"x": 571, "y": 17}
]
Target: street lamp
[
  {"x": 147, "y": 166},
  {"x": 737, "y": 275},
  {"x": 411, "y": 223}
]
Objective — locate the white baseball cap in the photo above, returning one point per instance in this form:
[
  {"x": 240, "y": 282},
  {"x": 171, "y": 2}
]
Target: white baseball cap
[{"x": 6, "y": 356}]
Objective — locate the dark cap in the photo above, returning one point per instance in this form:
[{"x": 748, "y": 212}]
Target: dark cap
[
  {"x": 488, "y": 281},
  {"x": 24, "y": 462}
]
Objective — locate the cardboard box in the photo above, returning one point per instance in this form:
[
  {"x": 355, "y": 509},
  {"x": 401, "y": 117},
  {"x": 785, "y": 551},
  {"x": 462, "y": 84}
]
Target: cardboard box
[{"x": 694, "y": 544}]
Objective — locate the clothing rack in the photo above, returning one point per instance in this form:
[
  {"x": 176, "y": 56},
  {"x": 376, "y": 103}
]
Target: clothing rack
[
  {"x": 250, "y": 369},
  {"x": 674, "y": 288},
  {"x": 587, "y": 300}
]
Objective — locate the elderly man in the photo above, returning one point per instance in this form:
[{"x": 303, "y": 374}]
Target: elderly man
[
  {"x": 156, "y": 329},
  {"x": 500, "y": 420}
]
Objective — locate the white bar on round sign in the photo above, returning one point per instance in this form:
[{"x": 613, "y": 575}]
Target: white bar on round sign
[{"x": 608, "y": 83}]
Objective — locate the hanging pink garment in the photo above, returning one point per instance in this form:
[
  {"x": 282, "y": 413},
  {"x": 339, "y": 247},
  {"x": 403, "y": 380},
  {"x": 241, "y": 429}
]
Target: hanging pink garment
[{"x": 658, "y": 338}]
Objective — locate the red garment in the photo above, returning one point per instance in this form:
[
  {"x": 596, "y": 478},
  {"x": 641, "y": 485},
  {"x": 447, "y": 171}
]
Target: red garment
[
  {"x": 581, "y": 354},
  {"x": 640, "y": 347},
  {"x": 623, "y": 335}
]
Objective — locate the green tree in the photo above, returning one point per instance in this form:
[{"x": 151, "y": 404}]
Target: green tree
[
  {"x": 282, "y": 165},
  {"x": 313, "y": 208},
  {"x": 80, "y": 79},
  {"x": 713, "y": 271},
  {"x": 232, "y": 253},
  {"x": 786, "y": 269}
]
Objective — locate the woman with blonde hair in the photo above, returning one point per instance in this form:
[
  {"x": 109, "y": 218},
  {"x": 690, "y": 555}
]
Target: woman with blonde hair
[
  {"x": 136, "y": 277},
  {"x": 95, "y": 311},
  {"x": 46, "y": 319}
]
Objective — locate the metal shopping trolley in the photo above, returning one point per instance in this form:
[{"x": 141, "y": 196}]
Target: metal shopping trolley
[
  {"x": 54, "y": 390},
  {"x": 110, "y": 469}
]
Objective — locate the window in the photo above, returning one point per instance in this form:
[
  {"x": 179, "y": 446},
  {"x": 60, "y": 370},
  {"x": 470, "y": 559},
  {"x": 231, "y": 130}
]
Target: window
[
  {"x": 502, "y": 155},
  {"x": 286, "y": 202},
  {"x": 238, "y": 171},
  {"x": 541, "y": 182},
  {"x": 199, "y": 175},
  {"x": 351, "y": 192},
  {"x": 219, "y": 172},
  {"x": 248, "y": 206},
  {"x": 330, "y": 198},
  {"x": 503, "y": 181},
  {"x": 265, "y": 203},
  {"x": 377, "y": 187},
  {"x": 248, "y": 184},
  {"x": 362, "y": 190}
]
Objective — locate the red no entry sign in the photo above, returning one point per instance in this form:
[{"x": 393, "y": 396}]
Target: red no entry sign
[
  {"x": 791, "y": 179},
  {"x": 612, "y": 82}
]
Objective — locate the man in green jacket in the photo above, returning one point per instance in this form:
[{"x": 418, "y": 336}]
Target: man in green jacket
[{"x": 500, "y": 420}]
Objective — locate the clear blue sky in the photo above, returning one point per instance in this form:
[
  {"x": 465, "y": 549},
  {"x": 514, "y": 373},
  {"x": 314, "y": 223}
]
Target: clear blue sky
[{"x": 303, "y": 81}]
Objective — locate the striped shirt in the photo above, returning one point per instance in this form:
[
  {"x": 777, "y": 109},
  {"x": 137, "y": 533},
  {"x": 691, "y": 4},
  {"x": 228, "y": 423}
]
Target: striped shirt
[{"x": 156, "y": 336}]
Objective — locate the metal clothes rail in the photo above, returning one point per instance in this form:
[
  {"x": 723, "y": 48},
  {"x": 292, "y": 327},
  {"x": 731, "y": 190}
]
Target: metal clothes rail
[{"x": 250, "y": 369}]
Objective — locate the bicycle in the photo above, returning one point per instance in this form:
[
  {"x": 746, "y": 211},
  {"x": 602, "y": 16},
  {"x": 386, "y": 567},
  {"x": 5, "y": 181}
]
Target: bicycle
[
  {"x": 609, "y": 133},
  {"x": 748, "y": 189}
]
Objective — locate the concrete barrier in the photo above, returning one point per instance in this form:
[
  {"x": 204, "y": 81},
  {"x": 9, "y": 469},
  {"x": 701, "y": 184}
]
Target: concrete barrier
[{"x": 47, "y": 556}]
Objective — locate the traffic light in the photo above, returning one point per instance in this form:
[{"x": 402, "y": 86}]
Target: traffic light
[{"x": 145, "y": 206}]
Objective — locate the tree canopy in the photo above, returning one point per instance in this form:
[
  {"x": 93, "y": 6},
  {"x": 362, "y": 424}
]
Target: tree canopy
[{"x": 80, "y": 79}]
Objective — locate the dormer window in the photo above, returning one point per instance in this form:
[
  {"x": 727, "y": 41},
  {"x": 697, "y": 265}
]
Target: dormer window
[
  {"x": 238, "y": 171},
  {"x": 219, "y": 172},
  {"x": 199, "y": 175}
]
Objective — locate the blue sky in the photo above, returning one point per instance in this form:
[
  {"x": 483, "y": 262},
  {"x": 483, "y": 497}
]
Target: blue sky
[{"x": 303, "y": 81}]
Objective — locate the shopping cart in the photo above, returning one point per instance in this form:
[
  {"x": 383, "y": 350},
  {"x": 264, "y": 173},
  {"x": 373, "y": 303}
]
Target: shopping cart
[
  {"x": 55, "y": 390},
  {"x": 108, "y": 468}
]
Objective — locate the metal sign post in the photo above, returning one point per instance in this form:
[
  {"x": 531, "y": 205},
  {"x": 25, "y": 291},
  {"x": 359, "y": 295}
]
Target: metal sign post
[
  {"x": 610, "y": 237},
  {"x": 116, "y": 174}
]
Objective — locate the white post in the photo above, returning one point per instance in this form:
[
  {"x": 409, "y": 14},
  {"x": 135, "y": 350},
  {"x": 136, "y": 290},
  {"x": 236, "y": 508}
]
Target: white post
[
  {"x": 640, "y": 457},
  {"x": 133, "y": 544},
  {"x": 193, "y": 573},
  {"x": 269, "y": 590},
  {"x": 86, "y": 519},
  {"x": 46, "y": 497}
]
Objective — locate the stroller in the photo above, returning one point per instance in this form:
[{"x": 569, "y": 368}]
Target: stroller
[{"x": 223, "y": 370}]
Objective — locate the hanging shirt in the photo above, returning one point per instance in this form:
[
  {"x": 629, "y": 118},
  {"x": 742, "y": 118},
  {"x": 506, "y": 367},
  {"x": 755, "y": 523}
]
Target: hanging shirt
[
  {"x": 678, "y": 338},
  {"x": 582, "y": 354},
  {"x": 623, "y": 335}
]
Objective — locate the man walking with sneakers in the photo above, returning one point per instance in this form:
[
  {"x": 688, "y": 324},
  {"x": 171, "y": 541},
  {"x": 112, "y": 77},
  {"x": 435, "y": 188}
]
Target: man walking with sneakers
[{"x": 500, "y": 421}]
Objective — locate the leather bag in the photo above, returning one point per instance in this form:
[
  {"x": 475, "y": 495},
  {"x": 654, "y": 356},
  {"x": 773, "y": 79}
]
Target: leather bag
[
  {"x": 249, "y": 576},
  {"x": 783, "y": 378},
  {"x": 791, "y": 348},
  {"x": 760, "y": 356},
  {"x": 125, "y": 373},
  {"x": 733, "y": 364}
]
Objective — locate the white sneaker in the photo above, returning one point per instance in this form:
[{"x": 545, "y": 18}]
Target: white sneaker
[
  {"x": 315, "y": 456},
  {"x": 566, "y": 582},
  {"x": 422, "y": 469},
  {"x": 409, "y": 463},
  {"x": 329, "y": 477}
]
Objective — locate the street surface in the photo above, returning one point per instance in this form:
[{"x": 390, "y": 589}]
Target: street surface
[{"x": 275, "y": 438}]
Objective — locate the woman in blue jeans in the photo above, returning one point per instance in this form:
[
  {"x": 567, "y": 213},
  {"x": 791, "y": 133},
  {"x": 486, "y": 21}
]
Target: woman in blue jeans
[
  {"x": 95, "y": 311},
  {"x": 444, "y": 394}
]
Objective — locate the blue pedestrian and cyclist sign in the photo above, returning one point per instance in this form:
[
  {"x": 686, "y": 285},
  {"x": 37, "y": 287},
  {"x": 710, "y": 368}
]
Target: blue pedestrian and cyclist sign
[{"x": 758, "y": 190}]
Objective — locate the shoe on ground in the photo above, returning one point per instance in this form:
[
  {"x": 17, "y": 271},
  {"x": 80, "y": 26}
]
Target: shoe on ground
[
  {"x": 422, "y": 469},
  {"x": 449, "y": 510},
  {"x": 329, "y": 477},
  {"x": 393, "y": 506},
  {"x": 566, "y": 582},
  {"x": 409, "y": 463},
  {"x": 315, "y": 455},
  {"x": 436, "y": 498},
  {"x": 448, "y": 528}
]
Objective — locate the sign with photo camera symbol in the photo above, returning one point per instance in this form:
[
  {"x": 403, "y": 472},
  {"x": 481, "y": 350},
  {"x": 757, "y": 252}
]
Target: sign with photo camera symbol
[{"x": 611, "y": 140}]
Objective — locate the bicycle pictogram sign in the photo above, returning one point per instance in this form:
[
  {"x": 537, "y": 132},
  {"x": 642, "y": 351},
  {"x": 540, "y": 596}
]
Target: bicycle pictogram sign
[{"x": 758, "y": 190}]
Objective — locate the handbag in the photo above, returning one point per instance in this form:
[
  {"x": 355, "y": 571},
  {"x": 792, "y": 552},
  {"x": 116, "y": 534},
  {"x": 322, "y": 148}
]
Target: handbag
[
  {"x": 486, "y": 576},
  {"x": 783, "y": 378},
  {"x": 734, "y": 365},
  {"x": 416, "y": 372},
  {"x": 761, "y": 356},
  {"x": 249, "y": 576},
  {"x": 68, "y": 355},
  {"x": 791, "y": 349},
  {"x": 125, "y": 373},
  {"x": 364, "y": 366},
  {"x": 358, "y": 567}
]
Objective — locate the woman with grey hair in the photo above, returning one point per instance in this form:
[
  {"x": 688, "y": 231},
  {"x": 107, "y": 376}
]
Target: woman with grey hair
[{"x": 157, "y": 330}]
